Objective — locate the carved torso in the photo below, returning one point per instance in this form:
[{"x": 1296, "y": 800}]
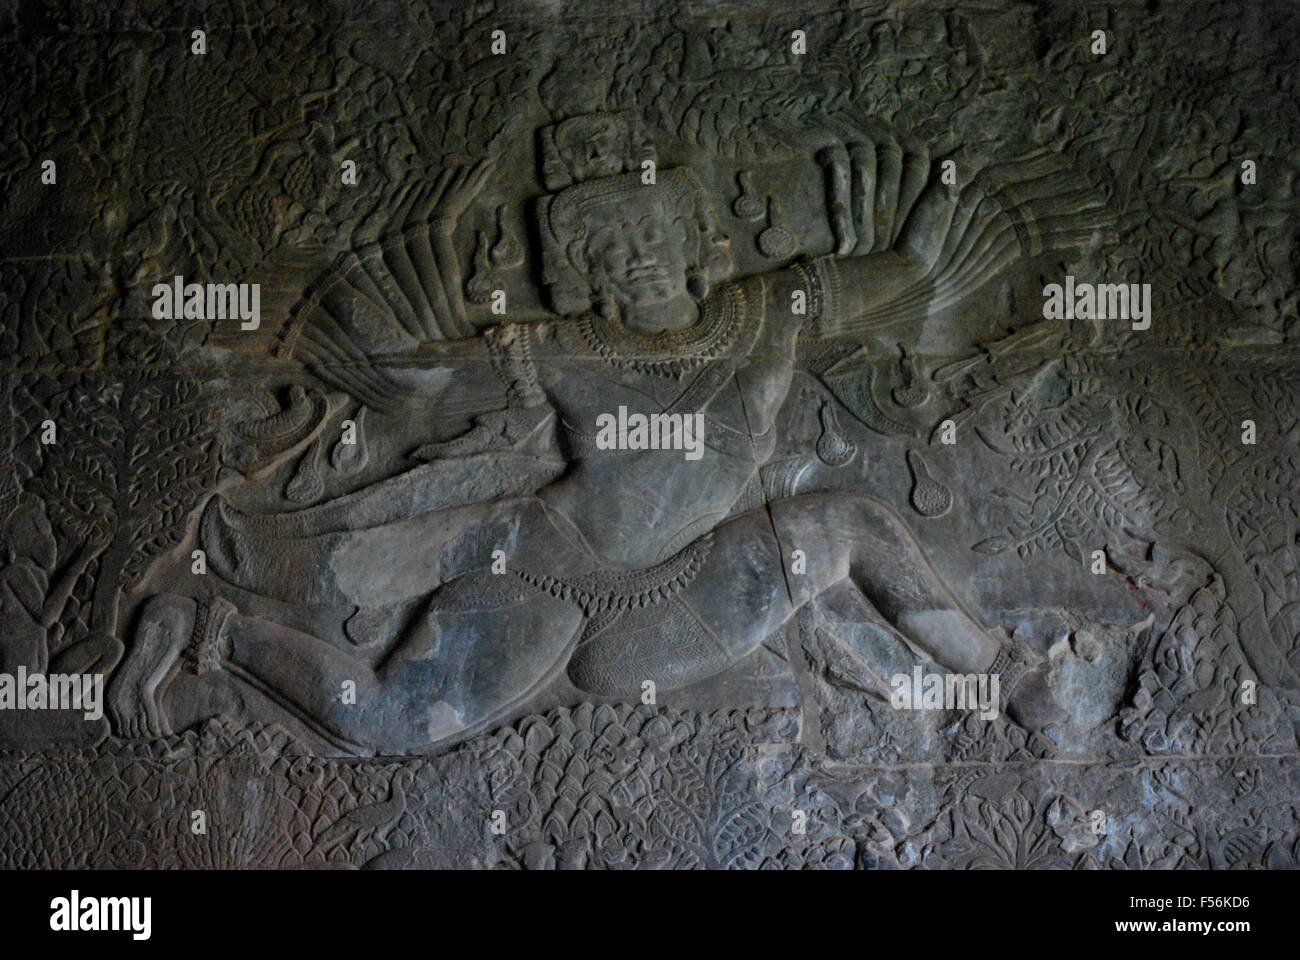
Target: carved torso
[{"x": 635, "y": 507}]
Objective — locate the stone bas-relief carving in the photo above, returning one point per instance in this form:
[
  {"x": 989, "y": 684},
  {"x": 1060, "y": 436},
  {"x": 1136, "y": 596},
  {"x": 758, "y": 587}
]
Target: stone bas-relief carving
[
  {"x": 669, "y": 587},
  {"x": 647, "y": 407}
]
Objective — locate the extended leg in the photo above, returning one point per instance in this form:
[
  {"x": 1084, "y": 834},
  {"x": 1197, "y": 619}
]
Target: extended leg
[
  {"x": 867, "y": 541},
  {"x": 762, "y": 567},
  {"x": 471, "y": 653},
  {"x": 864, "y": 539}
]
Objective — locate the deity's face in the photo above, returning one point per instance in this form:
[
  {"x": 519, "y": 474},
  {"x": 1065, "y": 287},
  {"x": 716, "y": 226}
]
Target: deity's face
[
  {"x": 638, "y": 252},
  {"x": 591, "y": 147}
]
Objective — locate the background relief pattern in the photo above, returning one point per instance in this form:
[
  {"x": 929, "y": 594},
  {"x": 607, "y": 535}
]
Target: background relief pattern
[{"x": 500, "y": 720}]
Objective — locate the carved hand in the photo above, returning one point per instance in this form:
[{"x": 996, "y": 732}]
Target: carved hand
[
  {"x": 932, "y": 243},
  {"x": 871, "y": 185},
  {"x": 449, "y": 195},
  {"x": 968, "y": 234}
]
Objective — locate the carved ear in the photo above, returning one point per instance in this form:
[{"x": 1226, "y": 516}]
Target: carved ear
[
  {"x": 715, "y": 246},
  {"x": 566, "y": 289},
  {"x": 576, "y": 252},
  {"x": 570, "y": 288},
  {"x": 716, "y": 251}
]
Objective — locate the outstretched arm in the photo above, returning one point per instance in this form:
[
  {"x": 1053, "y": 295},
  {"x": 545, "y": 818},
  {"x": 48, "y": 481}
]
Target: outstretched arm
[
  {"x": 387, "y": 302},
  {"x": 908, "y": 244},
  {"x": 424, "y": 250}
]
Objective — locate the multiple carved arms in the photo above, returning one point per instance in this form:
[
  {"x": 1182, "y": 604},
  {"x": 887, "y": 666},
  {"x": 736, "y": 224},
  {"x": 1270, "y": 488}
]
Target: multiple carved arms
[
  {"x": 423, "y": 253},
  {"x": 911, "y": 244},
  {"x": 381, "y": 303}
]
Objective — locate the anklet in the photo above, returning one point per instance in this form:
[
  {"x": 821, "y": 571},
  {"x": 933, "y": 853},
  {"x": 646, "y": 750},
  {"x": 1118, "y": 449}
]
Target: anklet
[
  {"x": 205, "y": 650},
  {"x": 1010, "y": 665}
]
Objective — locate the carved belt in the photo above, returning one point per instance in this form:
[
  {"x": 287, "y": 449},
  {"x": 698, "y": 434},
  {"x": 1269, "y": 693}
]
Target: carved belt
[{"x": 624, "y": 589}]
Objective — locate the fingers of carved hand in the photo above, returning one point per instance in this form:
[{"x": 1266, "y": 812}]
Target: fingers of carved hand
[
  {"x": 399, "y": 210},
  {"x": 431, "y": 197},
  {"x": 470, "y": 180},
  {"x": 371, "y": 224},
  {"x": 864, "y": 178},
  {"x": 871, "y": 184},
  {"x": 916, "y": 176},
  {"x": 442, "y": 182},
  {"x": 889, "y": 178},
  {"x": 457, "y": 185},
  {"x": 422, "y": 204},
  {"x": 1050, "y": 205},
  {"x": 834, "y": 161},
  {"x": 402, "y": 200},
  {"x": 1046, "y": 179},
  {"x": 463, "y": 186},
  {"x": 479, "y": 174},
  {"x": 1075, "y": 229}
]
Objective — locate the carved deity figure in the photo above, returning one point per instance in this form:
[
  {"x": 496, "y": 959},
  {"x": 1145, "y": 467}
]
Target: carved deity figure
[{"x": 524, "y": 548}]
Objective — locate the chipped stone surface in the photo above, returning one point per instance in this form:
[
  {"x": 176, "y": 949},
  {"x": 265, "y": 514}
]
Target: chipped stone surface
[{"x": 363, "y": 581}]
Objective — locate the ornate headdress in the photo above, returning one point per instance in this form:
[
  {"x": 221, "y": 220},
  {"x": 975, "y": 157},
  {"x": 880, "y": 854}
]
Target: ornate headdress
[
  {"x": 630, "y": 141},
  {"x": 564, "y": 216}
]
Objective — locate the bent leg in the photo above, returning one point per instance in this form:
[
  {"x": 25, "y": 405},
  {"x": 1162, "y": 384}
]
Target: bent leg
[
  {"x": 764, "y": 566},
  {"x": 302, "y": 674},
  {"x": 482, "y": 643},
  {"x": 868, "y": 540},
  {"x": 472, "y": 653},
  {"x": 859, "y": 537}
]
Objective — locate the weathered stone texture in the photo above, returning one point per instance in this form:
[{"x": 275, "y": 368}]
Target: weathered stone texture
[{"x": 364, "y": 581}]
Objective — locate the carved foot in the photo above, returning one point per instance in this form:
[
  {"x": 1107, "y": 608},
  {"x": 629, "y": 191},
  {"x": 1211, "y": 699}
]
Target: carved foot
[
  {"x": 135, "y": 692},
  {"x": 1032, "y": 704}
]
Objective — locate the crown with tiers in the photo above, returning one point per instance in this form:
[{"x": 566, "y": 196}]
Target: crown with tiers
[{"x": 565, "y": 215}]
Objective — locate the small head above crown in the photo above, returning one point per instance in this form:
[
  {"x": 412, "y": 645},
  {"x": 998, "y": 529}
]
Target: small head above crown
[{"x": 593, "y": 145}]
